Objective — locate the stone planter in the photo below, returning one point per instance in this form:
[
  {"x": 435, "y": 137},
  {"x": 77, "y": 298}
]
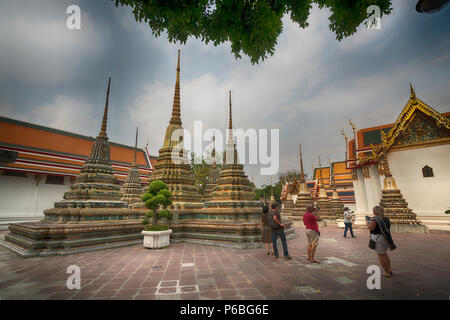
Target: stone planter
[{"x": 156, "y": 239}]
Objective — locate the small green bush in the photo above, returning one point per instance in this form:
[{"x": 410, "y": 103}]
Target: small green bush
[{"x": 447, "y": 211}]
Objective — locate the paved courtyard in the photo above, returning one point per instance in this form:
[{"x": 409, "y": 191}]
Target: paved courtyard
[{"x": 421, "y": 267}]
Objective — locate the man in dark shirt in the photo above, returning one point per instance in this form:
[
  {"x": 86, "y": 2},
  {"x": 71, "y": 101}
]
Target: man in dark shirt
[{"x": 278, "y": 231}]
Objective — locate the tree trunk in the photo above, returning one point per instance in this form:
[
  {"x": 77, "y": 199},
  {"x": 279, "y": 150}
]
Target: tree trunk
[{"x": 155, "y": 217}]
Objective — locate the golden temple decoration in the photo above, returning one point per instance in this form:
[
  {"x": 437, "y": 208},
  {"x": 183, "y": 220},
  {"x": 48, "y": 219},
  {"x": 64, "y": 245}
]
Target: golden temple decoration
[
  {"x": 402, "y": 124},
  {"x": 366, "y": 172}
]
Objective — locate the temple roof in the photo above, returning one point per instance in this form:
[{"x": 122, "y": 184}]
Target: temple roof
[
  {"x": 52, "y": 151},
  {"x": 375, "y": 141}
]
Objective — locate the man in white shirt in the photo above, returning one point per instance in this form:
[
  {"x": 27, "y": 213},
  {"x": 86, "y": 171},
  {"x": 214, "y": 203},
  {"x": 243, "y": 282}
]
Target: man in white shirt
[{"x": 348, "y": 222}]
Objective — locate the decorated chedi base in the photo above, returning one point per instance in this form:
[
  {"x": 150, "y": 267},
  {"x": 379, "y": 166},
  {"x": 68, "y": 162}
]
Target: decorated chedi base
[
  {"x": 395, "y": 206},
  {"x": 323, "y": 203},
  {"x": 173, "y": 165},
  {"x": 288, "y": 206},
  {"x": 91, "y": 217},
  {"x": 304, "y": 198},
  {"x": 132, "y": 191}
]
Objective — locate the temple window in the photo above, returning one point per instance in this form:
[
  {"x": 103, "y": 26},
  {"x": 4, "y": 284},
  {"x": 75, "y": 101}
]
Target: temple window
[
  {"x": 427, "y": 172},
  {"x": 50, "y": 179}
]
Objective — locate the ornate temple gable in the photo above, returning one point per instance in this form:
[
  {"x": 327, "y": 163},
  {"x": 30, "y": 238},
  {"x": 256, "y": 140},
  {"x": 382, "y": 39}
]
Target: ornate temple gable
[
  {"x": 422, "y": 131},
  {"x": 418, "y": 125}
]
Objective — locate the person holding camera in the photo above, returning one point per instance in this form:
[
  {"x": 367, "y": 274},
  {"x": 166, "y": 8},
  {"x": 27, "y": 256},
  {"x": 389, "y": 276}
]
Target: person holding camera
[
  {"x": 348, "y": 222},
  {"x": 278, "y": 231},
  {"x": 380, "y": 238}
]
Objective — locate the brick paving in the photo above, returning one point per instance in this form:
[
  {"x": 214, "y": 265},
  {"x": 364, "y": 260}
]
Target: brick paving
[{"x": 421, "y": 267}]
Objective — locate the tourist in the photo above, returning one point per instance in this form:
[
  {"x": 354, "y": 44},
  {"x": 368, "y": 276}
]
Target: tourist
[
  {"x": 266, "y": 231},
  {"x": 310, "y": 218},
  {"x": 348, "y": 222},
  {"x": 380, "y": 238},
  {"x": 278, "y": 231}
]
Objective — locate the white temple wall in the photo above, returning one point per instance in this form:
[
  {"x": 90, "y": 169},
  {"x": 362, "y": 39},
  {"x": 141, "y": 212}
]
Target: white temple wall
[
  {"x": 360, "y": 194},
  {"x": 22, "y": 200},
  {"x": 425, "y": 196}
]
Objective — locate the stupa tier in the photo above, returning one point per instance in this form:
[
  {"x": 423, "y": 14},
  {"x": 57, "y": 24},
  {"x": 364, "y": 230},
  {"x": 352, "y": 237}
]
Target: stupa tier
[
  {"x": 131, "y": 190},
  {"x": 288, "y": 204},
  {"x": 304, "y": 198},
  {"x": 173, "y": 164},
  {"x": 326, "y": 211}
]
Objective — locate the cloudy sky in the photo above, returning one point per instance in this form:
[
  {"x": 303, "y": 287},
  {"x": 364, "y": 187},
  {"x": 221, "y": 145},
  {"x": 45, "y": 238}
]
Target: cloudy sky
[{"x": 308, "y": 89}]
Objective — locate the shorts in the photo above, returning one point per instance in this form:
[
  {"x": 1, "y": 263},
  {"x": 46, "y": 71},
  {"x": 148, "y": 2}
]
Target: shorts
[
  {"x": 312, "y": 236},
  {"x": 381, "y": 244}
]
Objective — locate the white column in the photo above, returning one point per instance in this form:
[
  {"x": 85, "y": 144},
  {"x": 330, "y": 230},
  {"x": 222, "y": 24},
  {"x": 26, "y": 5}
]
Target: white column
[
  {"x": 369, "y": 188},
  {"x": 360, "y": 196},
  {"x": 376, "y": 185}
]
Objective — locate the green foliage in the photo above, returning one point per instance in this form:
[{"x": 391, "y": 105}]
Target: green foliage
[
  {"x": 201, "y": 169},
  {"x": 289, "y": 176},
  {"x": 157, "y": 195},
  {"x": 264, "y": 191},
  {"x": 156, "y": 227},
  {"x": 252, "y": 27},
  {"x": 447, "y": 211},
  {"x": 165, "y": 214}
]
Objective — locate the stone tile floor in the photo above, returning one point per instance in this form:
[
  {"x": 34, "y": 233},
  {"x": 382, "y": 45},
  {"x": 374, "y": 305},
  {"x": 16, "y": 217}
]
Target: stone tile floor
[{"x": 421, "y": 266}]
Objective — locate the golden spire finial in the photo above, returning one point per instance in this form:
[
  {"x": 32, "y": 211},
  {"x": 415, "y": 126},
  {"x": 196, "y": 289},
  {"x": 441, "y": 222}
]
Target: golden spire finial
[
  {"x": 230, "y": 121},
  {"x": 135, "y": 145},
  {"x": 176, "y": 110},
  {"x": 105, "y": 113},
  {"x": 302, "y": 173},
  {"x": 353, "y": 126},
  {"x": 320, "y": 173},
  {"x": 345, "y": 136},
  {"x": 413, "y": 94}
]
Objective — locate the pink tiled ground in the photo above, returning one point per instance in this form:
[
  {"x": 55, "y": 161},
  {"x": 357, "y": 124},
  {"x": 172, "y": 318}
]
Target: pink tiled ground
[{"x": 421, "y": 265}]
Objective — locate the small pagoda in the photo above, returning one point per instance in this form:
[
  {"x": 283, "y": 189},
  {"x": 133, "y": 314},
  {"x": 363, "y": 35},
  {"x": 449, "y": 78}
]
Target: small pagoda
[
  {"x": 394, "y": 205},
  {"x": 288, "y": 204},
  {"x": 323, "y": 202},
  {"x": 304, "y": 198},
  {"x": 131, "y": 190}
]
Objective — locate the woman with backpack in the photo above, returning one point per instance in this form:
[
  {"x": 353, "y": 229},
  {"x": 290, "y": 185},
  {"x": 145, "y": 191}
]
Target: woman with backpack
[{"x": 380, "y": 238}]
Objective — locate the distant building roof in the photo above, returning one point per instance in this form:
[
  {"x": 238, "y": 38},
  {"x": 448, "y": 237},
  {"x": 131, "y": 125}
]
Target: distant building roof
[{"x": 46, "y": 150}]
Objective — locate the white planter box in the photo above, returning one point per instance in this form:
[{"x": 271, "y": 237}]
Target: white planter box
[{"x": 156, "y": 239}]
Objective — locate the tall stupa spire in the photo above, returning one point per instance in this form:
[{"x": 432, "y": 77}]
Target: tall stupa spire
[
  {"x": 302, "y": 172},
  {"x": 105, "y": 113},
  {"x": 135, "y": 145},
  {"x": 230, "y": 121},
  {"x": 176, "y": 111}
]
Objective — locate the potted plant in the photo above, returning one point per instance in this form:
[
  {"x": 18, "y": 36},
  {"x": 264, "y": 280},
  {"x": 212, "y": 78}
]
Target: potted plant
[{"x": 156, "y": 235}]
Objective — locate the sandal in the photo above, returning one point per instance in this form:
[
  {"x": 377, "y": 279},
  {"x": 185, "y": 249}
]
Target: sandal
[
  {"x": 314, "y": 261},
  {"x": 387, "y": 275}
]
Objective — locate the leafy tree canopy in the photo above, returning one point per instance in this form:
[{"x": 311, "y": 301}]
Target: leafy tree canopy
[{"x": 252, "y": 26}]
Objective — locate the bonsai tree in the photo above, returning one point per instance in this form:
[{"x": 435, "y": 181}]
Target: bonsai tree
[{"x": 157, "y": 195}]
